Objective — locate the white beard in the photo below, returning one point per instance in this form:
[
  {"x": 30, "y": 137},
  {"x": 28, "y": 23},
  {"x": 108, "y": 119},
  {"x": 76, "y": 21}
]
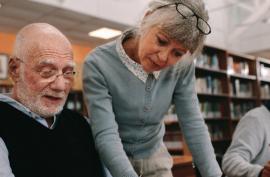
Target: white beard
[{"x": 33, "y": 102}]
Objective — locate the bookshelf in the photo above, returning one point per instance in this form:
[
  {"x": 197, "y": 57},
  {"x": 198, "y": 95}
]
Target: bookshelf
[
  {"x": 263, "y": 73},
  {"x": 214, "y": 96},
  {"x": 5, "y": 86},
  {"x": 228, "y": 85},
  {"x": 75, "y": 102}
]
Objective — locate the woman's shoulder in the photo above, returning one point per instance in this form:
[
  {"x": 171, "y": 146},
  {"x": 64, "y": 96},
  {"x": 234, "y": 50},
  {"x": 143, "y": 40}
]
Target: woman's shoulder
[{"x": 102, "y": 52}]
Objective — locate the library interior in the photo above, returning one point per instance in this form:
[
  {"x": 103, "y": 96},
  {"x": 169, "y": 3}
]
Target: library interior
[{"x": 232, "y": 70}]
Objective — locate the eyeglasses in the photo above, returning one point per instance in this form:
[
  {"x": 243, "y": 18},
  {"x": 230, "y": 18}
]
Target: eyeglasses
[
  {"x": 186, "y": 12},
  {"x": 52, "y": 74}
]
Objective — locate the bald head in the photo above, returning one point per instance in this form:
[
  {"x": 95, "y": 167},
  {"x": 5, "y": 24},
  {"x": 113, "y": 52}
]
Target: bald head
[
  {"x": 41, "y": 51},
  {"x": 38, "y": 36}
]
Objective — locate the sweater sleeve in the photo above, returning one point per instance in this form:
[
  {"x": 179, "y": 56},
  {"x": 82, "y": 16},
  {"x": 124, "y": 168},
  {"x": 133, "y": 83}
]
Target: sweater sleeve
[
  {"x": 246, "y": 144},
  {"x": 103, "y": 123},
  {"x": 192, "y": 123}
]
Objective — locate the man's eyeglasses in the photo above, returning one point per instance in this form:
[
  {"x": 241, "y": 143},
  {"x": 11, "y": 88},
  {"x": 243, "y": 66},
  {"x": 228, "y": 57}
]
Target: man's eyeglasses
[
  {"x": 187, "y": 12},
  {"x": 52, "y": 74}
]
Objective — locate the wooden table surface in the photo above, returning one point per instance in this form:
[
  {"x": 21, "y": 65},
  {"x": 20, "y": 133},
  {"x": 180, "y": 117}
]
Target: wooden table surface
[{"x": 183, "y": 166}]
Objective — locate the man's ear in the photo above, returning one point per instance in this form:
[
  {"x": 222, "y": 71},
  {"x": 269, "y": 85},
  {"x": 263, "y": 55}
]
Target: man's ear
[{"x": 13, "y": 69}]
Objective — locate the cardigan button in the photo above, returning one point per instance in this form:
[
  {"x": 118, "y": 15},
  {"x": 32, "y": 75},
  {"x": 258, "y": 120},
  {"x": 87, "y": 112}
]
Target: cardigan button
[{"x": 146, "y": 108}]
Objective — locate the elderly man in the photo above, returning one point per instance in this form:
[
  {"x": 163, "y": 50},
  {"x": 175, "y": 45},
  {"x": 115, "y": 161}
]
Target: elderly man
[
  {"x": 38, "y": 138},
  {"x": 249, "y": 152}
]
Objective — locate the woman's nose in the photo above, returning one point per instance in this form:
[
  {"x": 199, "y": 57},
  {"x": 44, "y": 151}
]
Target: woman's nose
[{"x": 163, "y": 56}]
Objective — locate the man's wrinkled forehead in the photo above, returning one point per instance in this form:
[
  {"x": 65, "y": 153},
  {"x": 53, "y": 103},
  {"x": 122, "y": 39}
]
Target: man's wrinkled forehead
[
  {"x": 49, "y": 49},
  {"x": 50, "y": 61}
]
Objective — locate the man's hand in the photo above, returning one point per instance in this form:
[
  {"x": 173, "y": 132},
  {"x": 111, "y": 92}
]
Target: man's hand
[{"x": 266, "y": 170}]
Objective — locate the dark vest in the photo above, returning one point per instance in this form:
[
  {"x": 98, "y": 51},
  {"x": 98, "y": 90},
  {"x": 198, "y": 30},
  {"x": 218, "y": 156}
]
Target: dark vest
[{"x": 67, "y": 150}]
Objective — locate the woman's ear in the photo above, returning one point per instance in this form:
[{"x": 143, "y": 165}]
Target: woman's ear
[
  {"x": 13, "y": 69},
  {"x": 148, "y": 13}
]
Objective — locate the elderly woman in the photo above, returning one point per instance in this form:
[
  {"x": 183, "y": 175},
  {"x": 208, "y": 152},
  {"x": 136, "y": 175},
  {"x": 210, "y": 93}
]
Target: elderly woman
[{"x": 130, "y": 83}]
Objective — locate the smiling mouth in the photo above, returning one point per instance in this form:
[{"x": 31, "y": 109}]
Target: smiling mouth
[
  {"x": 156, "y": 65},
  {"x": 153, "y": 63},
  {"x": 52, "y": 98}
]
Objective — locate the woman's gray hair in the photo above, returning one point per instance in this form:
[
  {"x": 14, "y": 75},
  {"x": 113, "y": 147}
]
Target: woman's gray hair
[{"x": 183, "y": 30}]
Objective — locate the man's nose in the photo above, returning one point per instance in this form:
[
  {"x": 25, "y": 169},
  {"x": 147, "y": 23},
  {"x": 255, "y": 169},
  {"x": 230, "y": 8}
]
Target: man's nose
[{"x": 60, "y": 83}]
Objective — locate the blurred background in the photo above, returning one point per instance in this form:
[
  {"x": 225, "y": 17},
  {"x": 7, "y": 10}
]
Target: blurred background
[{"x": 240, "y": 25}]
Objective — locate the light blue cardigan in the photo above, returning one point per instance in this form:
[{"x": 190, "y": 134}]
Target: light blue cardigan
[{"x": 127, "y": 114}]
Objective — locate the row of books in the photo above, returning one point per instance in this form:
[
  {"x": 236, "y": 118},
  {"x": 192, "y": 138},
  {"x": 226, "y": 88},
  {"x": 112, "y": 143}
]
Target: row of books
[
  {"x": 265, "y": 91},
  {"x": 208, "y": 109},
  {"x": 211, "y": 109},
  {"x": 235, "y": 67},
  {"x": 241, "y": 88},
  {"x": 264, "y": 71},
  {"x": 5, "y": 89},
  {"x": 209, "y": 85},
  {"x": 74, "y": 105},
  {"x": 215, "y": 131},
  {"x": 75, "y": 101},
  {"x": 238, "y": 110},
  {"x": 205, "y": 60}
]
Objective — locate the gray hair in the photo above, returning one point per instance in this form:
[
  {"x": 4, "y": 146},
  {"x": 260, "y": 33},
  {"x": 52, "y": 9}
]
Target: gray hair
[{"x": 183, "y": 30}]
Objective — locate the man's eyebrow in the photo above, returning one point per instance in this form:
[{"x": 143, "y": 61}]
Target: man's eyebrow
[
  {"x": 45, "y": 62},
  {"x": 50, "y": 62}
]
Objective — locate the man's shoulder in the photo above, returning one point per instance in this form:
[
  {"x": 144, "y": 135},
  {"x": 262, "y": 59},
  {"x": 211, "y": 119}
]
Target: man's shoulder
[
  {"x": 258, "y": 115},
  {"x": 259, "y": 112}
]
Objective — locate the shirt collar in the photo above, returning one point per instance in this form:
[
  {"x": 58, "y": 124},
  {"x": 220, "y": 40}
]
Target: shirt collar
[
  {"x": 7, "y": 99},
  {"x": 132, "y": 66}
]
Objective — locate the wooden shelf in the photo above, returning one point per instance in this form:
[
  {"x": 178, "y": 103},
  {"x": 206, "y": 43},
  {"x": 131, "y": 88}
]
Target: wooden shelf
[
  {"x": 170, "y": 122},
  {"x": 182, "y": 166},
  {"x": 216, "y": 119},
  {"x": 267, "y": 80},
  {"x": 178, "y": 150},
  {"x": 242, "y": 98},
  {"x": 213, "y": 95},
  {"x": 241, "y": 55},
  {"x": 241, "y": 76},
  {"x": 221, "y": 140},
  {"x": 6, "y": 82},
  {"x": 265, "y": 99},
  {"x": 263, "y": 60},
  {"x": 174, "y": 133},
  {"x": 211, "y": 70},
  {"x": 235, "y": 120}
]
